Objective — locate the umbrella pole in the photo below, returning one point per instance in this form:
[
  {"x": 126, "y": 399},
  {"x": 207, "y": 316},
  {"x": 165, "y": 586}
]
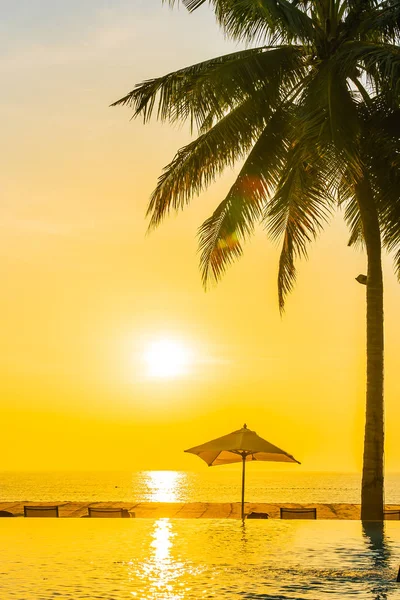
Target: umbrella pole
[{"x": 243, "y": 478}]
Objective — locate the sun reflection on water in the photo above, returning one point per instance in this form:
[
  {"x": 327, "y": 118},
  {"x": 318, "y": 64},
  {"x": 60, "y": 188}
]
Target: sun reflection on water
[
  {"x": 162, "y": 539},
  {"x": 162, "y": 573},
  {"x": 164, "y": 486}
]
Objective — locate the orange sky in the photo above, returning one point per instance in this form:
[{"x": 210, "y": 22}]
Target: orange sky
[{"x": 85, "y": 291}]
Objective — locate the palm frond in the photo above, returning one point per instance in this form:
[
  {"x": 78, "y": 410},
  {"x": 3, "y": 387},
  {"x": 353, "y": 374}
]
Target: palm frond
[
  {"x": 397, "y": 264},
  {"x": 388, "y": 197},
  {"x": 300, "y": 207},
  {"x": 221, "y": 236},
  {"x": 346, "y": 197},
  {"x": 247, "y": 20},
  {"x": 382, "y": 20},
  {"x": 196, "y": 165},
  {"x": 328, "y": 114},
  {"x": 381, "y": 147},
  {"x": 355, "y": 16},
  {"x": 214, "y": 86},
  {"x": 380, "y": 62},
  {"x": 353, "y": 220}
]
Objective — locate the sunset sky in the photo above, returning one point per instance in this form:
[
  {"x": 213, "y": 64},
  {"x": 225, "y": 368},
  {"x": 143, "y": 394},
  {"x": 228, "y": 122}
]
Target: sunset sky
[{"x": 87, "y": 296}]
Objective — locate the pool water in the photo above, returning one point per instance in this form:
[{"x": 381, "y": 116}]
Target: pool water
[{"x": 188, "y": 559}]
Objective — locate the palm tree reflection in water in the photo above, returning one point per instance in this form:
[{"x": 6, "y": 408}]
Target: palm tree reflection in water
[{"x": 377, "y": 543}]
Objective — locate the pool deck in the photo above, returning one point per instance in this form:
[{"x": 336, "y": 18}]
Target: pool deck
[{"x": 192, "y": 510}]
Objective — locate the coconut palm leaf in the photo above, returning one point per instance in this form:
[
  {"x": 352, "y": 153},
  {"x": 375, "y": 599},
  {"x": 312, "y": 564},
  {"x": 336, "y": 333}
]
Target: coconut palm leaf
[
  {"x": 328, "y": 115},
  {"x": 380, "y": 62},
  {"x": 263, "y": 19},
  {"x": 299, "y": 209},
  {"x": 353, "y": 220},
  {"x": 221, "y": 235},
  {"x": 397, "y": 264},
  {"x": 387, "y": 192},
  {"x": 383, "y": 18},
  {"x": 381, "y": 147},
  {"x": 196, "y": 165},
  {"x": 214, "y": 86}
]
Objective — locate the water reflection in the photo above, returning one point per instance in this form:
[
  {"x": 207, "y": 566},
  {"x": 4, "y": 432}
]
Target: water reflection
[
  {"x": 243, "y": 537},
  {"x": 162, "y": 572},
  {"x": 379, "y": 555},
  {"x": 164, "y": 486},
  {"x": 162, "y": 540},
  {"x": 193, "y": 559}
]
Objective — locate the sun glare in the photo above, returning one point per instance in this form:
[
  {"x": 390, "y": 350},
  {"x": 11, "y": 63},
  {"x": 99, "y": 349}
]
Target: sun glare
[{"x": 166, "y": 358}]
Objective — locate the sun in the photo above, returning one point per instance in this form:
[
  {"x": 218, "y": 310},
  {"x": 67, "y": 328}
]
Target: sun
[{"x": 166, "y": 358}]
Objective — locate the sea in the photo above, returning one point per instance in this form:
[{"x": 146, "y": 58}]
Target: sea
[
  {"x": 195, "y": 559},
  {"x": 219, "y": 484}
]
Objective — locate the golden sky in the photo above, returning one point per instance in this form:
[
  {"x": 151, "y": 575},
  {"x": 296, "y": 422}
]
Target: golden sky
[{"x": 85, "y": 292}]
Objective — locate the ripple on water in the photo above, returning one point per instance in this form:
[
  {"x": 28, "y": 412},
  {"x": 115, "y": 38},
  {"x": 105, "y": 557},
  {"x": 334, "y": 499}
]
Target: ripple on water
[{"x": 168, "y": 559}]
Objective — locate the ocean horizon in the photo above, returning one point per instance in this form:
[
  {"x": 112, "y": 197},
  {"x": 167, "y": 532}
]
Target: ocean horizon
[{"x": 212, "y": 485}]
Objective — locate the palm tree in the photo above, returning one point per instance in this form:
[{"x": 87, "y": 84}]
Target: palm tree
[{"x": 313, "y": 114}]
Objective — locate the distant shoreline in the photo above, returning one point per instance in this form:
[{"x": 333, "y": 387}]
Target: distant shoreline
[{"x": 193, "y": 510}]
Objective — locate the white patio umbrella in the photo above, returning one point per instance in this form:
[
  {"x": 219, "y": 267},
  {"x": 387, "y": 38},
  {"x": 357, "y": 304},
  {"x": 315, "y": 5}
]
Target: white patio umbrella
[{"x": 240, "y": 446}]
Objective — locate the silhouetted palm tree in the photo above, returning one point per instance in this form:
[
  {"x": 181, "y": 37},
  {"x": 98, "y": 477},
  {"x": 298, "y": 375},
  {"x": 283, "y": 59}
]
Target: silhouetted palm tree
[{"x": 313, "y": 113}]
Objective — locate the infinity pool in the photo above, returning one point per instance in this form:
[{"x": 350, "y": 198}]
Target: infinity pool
[{"x": 192, "y": 559}]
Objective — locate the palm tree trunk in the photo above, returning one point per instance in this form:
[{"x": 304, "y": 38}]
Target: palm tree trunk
[{"x": 372, "y": 493}]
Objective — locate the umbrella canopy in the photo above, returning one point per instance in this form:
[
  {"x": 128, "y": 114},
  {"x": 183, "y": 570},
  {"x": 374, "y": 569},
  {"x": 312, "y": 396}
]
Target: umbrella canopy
[{"x": 240, "y": 446}]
